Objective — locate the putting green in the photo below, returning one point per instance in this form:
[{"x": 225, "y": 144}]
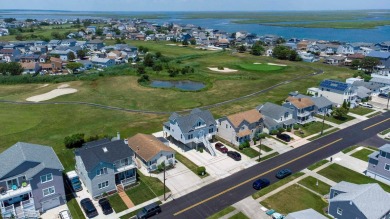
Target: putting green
[{"x": 261, "y": 67}]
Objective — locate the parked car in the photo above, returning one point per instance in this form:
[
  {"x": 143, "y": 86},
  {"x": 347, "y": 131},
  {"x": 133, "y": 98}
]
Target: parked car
[
  {"x": 149, "y": 211},
  {"x": 89, "y": 208},
  {"x": 283, "y": 173},
  {"x": 383, "y": 95},
  {"x": 284, "y": 137},
  {"x": 261, "y": 183},
  {"x": 105, "y": 205},
  {"x": 365, "y": 105},
  {"x": 221, "y": 148},
  {"x": 65, "y": 214},
  {"x": 235, "y": 155}
]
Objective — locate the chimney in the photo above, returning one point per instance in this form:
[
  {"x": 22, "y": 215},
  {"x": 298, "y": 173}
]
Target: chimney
[
  {"x": 118, "y": 135},
  {"x": 299, "y": 99},
  {"x": 126, "y": 141}
]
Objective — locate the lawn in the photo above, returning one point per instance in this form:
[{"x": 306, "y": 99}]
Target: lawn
[
  {"x": 337, "y": 121},
  {"x": 239, "y": 215},
  {"x": 318, "y": 164},
  {"x": 349, "y": 149},
  {"x": 323, "y": 134},
  {"x": 250, "y": 152},
  {"x": 264, "y": 148},
  {"x": 116, "y": 202},
  {"x": 339, "y": 173},
  {"x": 311, "y": 128},
  {"x": 295, "y": 198},
  {"x": 276, "y": 185},
  {"x": 75, "y": 209},
  {"x": 311, "y": 183},
  {"x": 129, "y": 215},
  {"x": 387, "y": 131},
  {"x": 222, "y": 213},
  {"x": 361, "y": 111},
  {"x": 374, "y": 114},
  {"x": 362, "y": 154},
  {"x": 189, "y": 164},
  {"x": 261, "y": 67},
  {"x": 269, "y": 156},
  {"x": 146, "y": 189}
]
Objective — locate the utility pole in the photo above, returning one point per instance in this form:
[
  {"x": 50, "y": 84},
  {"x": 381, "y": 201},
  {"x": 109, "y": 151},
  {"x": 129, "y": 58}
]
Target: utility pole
[
  {"x": 388, "y": 99},
  {"x": 260, "y": 150},
  {"x": 164, "y": 182},
  {"x": 323, "y": 121}
]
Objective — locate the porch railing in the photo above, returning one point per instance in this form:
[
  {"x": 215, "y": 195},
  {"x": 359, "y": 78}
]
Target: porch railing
[{"x": 128, "y": 181}]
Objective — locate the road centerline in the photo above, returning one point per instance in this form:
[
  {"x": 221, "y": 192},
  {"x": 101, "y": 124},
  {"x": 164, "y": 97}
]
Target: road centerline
[
  {"x": 368, "y": 127},
  {"x": 255, "y": 177}
]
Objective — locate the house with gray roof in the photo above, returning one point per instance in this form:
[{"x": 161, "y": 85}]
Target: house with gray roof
[
  {"x": 276, "y": 116},
  {"x": 192, "y": 129},
  {"x": 30, "y": 180},
  {"x": 379, "y": 164},
  {"x": 305, "y": 214},
  {"x": 374, "y": 88},
  {"x": 104, "y": 166},
  {"x": 337, "y": 92},
  {"x": 366, "y": 201}
]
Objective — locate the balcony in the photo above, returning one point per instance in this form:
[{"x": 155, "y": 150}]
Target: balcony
[
  {"x": 304, "y": 113},
  {"x": 123, "y": 168},
  {"x": 23, "y": 209},
  {"x": 8, "y": 194}
]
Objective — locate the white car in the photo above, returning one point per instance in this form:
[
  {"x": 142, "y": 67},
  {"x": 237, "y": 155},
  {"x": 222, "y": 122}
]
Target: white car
[
  {"x": 65, "y": 214},
  {"x": 365, "y": 105}
]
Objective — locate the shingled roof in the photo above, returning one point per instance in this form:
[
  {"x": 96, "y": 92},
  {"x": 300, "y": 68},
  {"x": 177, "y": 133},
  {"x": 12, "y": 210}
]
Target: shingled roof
[
  {"x": 250, "y": 116},
  {"x": 300, "y": 102},
  {"x": 187, "y": 122},
  {"x": 147, "y": 146}
]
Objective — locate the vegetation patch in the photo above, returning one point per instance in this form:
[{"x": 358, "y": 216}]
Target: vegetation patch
[
  {"x": 361, "y": 111},
  {"x": 189, "y": 164},
  {"x": 337, "y": 120},
  {"x": 311, "y": 128},
  {"x": 269, "y": 156},
  {"x": 387, "y": 131},
  {"x": 261, "y": 67},
  {"x": 75, "y": 209},
  {"x": 349, "y": 149},
  {"x": 315, "y": 185},
  {"x": 265, "y": 148},
  {"x": 117, "y": 203},
  {"x": 222, "y": 213},
  {"x": 374, "y": 114},
  {"x": 362, "y": 154},
  {"x": 323, "y": 134},
  {"x": 318, "y": 164},
  {"x": 239, "y": 215}
]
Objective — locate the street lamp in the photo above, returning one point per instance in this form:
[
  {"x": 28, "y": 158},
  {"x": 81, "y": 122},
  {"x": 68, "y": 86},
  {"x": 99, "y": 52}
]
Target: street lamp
[
  {"x": 388, "y": 99},
  {"x": 260, "y": 148},
  {"x": 323, "y": 121}
]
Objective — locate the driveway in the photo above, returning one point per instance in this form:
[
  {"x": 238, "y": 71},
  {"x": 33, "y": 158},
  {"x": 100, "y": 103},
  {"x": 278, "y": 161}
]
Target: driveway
[
  {"x": 379, "y": 102},
  {"x": 54, "y": 212}
]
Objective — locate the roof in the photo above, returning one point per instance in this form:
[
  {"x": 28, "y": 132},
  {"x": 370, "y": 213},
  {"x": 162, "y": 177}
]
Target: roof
[
  {"x": 362, "y": 92},
  {"x": 29, "y": 159},
  {"x": 187, "y": 122},
  {"x": 334, "y": 85},
  {"x": 305, "y": 214},
  {"x": 243, "y": 133},
  {"x": 385, "y": 148},
  {"x": 54, "y": 59},
  {"x": 28, "y": 65},
  {"x": 300, "y": 102},
  {"x": 368, "y": 85},
  {"x": 92, "y": 153},
  {"x": 370, "y": 199},
  {"x": 379, "y": 55},
  {"x": 95, "y": 41},
  {"x": 321, "y": 102},
  {"x": 100, "y": 60},
  {"x": 147, "y": 146},
  {"x": 251, "y": 116},
  {"x": 272, "y": 110}
]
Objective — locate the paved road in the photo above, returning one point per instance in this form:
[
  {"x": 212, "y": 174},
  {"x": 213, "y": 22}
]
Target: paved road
[{"x": 216, "y": 196}]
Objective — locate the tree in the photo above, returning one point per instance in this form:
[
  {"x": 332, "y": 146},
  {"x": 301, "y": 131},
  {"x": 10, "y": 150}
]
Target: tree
[
  {"x": 355, "y": 64},
  {"x": 280, "y": 41},
  {"x": 158, "y": 55},
  {"x": 345, "y": 106},
  {"x": 9, "y": 20},
  {"x": 143, "y": 79},
  {"x": 81, "y": 53},
  {"x": 71, "y": 56},
  {"x": 99, "y": 31},
  {"x": 74, "y": 65},
  {"x": 11, "y": 68},
  {"x": 368, "y": 63},
  {"x": 257, "y": 49},
  {"x": 149, "y": 32},
  {"x": 241, "y": 49},
  {"x": 149, "y": 60},
  {"x": 193, "y": 41},
  {"x": 74, "y": 141},
  {"x": 141, "y": 69},
  {"x": 340, "y": 113},
  {"x": 285, "y": 53},
  {"x": 19, "y": 37},
  {"x": 185, "y": 43}
]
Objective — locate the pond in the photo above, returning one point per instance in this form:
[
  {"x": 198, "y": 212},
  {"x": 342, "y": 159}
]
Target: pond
[{"x": 182, "y": 85}]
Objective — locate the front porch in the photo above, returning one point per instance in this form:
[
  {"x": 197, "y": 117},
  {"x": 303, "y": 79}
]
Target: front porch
[
  {"x": 18, "y": 203},
  {"x": 126, "y": 177}
]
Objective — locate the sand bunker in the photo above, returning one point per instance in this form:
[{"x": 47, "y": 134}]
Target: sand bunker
[
  {"x": 171, "y": 44},
  {"x": 225, "y": 70},
  {"x": 276, "y": 64},
  {"x": 257, "y": 63},
  {"x": 61, "y": 90},
  {"x": 45, "y": 85}
]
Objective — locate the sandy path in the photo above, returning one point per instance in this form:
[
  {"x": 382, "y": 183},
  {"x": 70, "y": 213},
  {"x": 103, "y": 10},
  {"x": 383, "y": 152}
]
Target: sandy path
[
  {"x": 225, "y": 70},
  {"x": 276, "y": 64}
]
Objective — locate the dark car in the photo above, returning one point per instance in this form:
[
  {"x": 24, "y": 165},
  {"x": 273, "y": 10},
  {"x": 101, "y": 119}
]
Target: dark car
[
  {"x": 261, "y": 183},
  {"x": 221, "y": 148},
  {"x": 283, "y": 173},
  {"x": 149, "y": 211},
  {"x": 235, "y": 155},
  {"x": 89, "y": 208},
  {"x": 105, "y": 205},
  {"x": 383, "y": 95},
  {"x": 284, "y": 137}
]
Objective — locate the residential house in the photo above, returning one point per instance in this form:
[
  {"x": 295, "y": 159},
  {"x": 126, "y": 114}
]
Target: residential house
[
  {"x": 86, "y": 64},
  {"x": 68, "y": 42},
  {"x": 305, "y": 214},
  {"x": 103, "y": 62},
  {"x": 30, "y": 181},
  {"x": 346, "y": 49},
  {"x": 303, "y": 109},
  {"x": 321, "y": 104},
  {"x": 29, "y": 58},
  {"x": 56, "y": 64},
  {"x": 308, "y": 57},
  {"x": 373, "y": 88},
  {"x": 10, "y": 55},
  {"x": 30, "y": 67},
  {"x": 379, "y": 164},
  {"x": 192, "y": 129},
  {"x": 63, "y": 54},
  {"x": 240, "y": 127},
  {"x": 384, "y": 46},
  {"x": 365, "y": 201},
  {"x": 335, "y": 60},
  {"x": 105, "y": 165},
  {"x": 95, "y": 44},
  {"x": 151, "y": 152},
  {"x": 53, "y": 44},
  {"x": 337, "y": 92},
  {"x": 302, "y": 45},
  {"x": 384, "y": 58},
  {"x": 276, "y": 116}
]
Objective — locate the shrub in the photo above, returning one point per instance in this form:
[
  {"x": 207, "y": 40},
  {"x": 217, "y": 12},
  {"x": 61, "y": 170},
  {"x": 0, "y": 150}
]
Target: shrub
[
  {"x": 201, "y": 150},
  {"x": 201, "y": 171},
  {"x": 160, "y": 167},
  {"x": 274, "y": 132},
  {"x": 221, "y": 68},
  {"x": 241, "y": 147},
  {"x": 74, "y": 141},
  {"x": 262, "y": 135},
  {"x": 289, "y": 129},
  {"x": 281, "y": 130},
  {"x": 295, "y": 126}
]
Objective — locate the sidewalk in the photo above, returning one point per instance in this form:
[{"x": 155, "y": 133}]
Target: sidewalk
[
  {"x": 251, "y": 208},
  {"x": 120, "y": 214}
]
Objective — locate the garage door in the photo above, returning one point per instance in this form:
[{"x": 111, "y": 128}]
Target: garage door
[{"x": 46, "y": 205}]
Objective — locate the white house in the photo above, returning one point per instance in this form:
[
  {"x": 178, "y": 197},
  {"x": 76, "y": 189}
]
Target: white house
[{"x": 337, "y": 92}]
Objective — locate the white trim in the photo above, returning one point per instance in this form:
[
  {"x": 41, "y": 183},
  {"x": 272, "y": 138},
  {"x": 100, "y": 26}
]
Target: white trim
[
  {"x": 52, "y": 187},
  {"x": 103, "y": 185},
  {"x": 385, "y": 167},
  {"x": 339, "y": 211},
  {"x": 49, "y": 174}
]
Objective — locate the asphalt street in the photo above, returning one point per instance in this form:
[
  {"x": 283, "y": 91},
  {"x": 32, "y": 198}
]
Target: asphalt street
[{"x": 225, "y": 192}]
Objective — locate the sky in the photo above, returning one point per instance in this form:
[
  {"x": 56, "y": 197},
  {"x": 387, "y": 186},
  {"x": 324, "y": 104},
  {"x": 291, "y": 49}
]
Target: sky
[{"x": 194, "y": 5}]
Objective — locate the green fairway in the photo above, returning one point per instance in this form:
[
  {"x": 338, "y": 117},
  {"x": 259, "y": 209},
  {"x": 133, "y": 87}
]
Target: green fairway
[{"x": 261, "y": 67}]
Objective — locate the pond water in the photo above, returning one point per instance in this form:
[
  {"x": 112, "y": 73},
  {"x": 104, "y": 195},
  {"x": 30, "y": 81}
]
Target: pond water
[{"x": 182, "y": 85}]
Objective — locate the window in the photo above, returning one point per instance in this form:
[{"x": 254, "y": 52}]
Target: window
[
  {"x": 46, "y": 178},
  {"x": 339, "y": 211},
  {"x": 12, "y": 182},
  {"x": 190, "y": 136},
  {"x": 211, "y": 130},
  {"x": 103, "y": 185},
  {"x": 387, "y": 167},
  {"x": 335, "y": 194},
  {"x": 101, "y": 171},
  {"x": 48, "y": 191},
  {"x": 383, "y": 154},
  {"x": 226, "y": 126}
]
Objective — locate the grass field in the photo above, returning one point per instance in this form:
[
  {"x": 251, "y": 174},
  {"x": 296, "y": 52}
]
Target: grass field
[
  {"x": 387, "y": 131},
  {"x": 250, "y": 152},
  {"x": 222, "y": 213},
  {"x": 239, "y": 215},
  {"x": 311, "y": 183},
  {"x": 311, "y": 128},
  {"x": 336, "y": 121},
  {"x": 318, "y": 164},
  {"x": 75, "y": 209},
  {"x": 297, "y": 198},
  {"x": 261, "y": 67},
  {"x": 361, "y": 111},
  {"x": 374, "y": 114},
  {"x": 339, "y": 173},
  {"x": 269, "y": 156},
  {"x": 116, "y": 203},
  {"x": 362, "y": 154}
]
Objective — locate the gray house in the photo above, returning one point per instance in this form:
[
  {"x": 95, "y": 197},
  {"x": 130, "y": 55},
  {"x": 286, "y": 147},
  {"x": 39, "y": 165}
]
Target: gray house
[
  {"x": 379, "y": 164},
  {"x": 322, "y": 105},
  {"x": 303, "y": 109},
  {"x": 151, "y": 151},
  {"x": 305, "y": 214},
  {"x": 104, "y": 165},
  {"x": 276, "y": 116},
  {"x": 30, "y": 180},
  {"x": 193, "y": 129},
  {"x": 367, "y": 201}
]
